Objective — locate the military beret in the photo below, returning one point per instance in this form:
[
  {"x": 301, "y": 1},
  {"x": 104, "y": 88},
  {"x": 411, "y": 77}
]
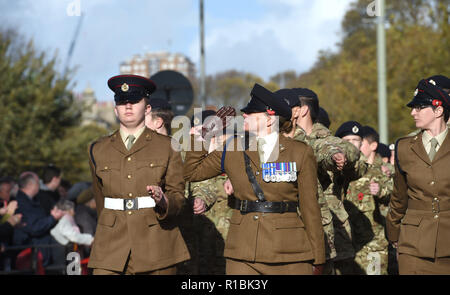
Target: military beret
[
  {"x": 263, "y": 100},
  {"x": 199, "y": 118},
  {"x": 305, "y": 92},
  {"x": 440, "y": 80},
  {"x": 130, "y": 88},
  {"x": 289, "y": 97},
  {"x": 158, "y": 103},
  {"x": 349, "y": 128},
  {"x": 323, "y": 118},
  {"x": 427, "y": 93},
  {"x": 383, "y": 150}
]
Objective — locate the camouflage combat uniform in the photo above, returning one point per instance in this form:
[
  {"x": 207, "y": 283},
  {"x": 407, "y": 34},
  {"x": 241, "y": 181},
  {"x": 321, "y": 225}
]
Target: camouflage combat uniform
[
  {"x": 335, "y": 184},
  {"x": 334, "y": 217},
  {"x": 368, "y": 224}
]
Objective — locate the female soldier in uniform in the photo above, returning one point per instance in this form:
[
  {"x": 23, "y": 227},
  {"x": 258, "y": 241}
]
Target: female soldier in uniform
[
  {"x": 418, "y": 222},
  {"x": 266, "y": 234}
]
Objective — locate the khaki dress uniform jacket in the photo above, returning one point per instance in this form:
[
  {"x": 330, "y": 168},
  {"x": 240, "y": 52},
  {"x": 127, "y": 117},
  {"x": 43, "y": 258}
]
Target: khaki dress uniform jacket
[
  {"x": 152, "y": 236},
  {"x": 268, "y": 237},
  {"x": 419, "y": 210}
]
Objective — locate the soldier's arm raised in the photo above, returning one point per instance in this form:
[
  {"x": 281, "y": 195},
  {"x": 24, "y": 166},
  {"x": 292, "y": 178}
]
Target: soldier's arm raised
[{"x": 199, "y": 165}]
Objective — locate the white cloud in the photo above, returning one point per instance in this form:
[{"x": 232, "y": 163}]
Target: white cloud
[{"x": 288, "y": 36}]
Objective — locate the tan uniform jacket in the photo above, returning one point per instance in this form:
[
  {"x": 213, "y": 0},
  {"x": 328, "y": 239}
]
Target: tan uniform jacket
[
  {"x": 268, "y": 237},
  {"x": 153, "y": 238},
  {"x": 419, "y": 210}
]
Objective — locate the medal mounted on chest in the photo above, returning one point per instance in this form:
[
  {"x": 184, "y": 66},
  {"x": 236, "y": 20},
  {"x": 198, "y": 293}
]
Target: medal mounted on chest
[{"x": 279, "y": 172}]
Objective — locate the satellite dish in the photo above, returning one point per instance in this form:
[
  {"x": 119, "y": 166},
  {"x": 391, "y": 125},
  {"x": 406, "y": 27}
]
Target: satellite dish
[{"x": 176, "y": 88}]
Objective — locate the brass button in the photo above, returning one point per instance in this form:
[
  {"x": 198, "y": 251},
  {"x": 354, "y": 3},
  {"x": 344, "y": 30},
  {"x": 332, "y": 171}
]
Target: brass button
[
  {"x": 432, "y": 183},
  {"x": 256, "y": 217},
  {"x": 151, "y": 165},
  {"x": 436, "y": 216},
  {"x": 129, "y": 176},
  {"x": 436, "y": 199},
  {"x": 129, "y": 212},
  {"x": 129, "y": 159},
  {"x": 130, "y": 194},
  {"x": 106, "y": 167}
]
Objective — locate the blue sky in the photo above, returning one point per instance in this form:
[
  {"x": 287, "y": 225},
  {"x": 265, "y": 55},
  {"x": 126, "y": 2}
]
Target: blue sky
[{"x": 259, "y": 36}]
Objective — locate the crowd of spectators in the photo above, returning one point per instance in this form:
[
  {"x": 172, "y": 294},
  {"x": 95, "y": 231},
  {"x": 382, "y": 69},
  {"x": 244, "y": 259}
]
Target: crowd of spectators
[{"x": 42, "y": 219}]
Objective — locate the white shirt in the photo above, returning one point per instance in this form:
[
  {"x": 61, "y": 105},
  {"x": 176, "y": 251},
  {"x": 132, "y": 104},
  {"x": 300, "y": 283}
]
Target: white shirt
[
  {"x": 66, "y": 230},
  {"x": 426, "y": 140},
  {"x": 271, "y": 142}
]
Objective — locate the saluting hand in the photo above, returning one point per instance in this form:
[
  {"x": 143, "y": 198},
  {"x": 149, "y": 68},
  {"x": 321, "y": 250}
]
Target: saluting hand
[
  {"x": 199, "y": 206},
  {"x": 340, "y": 160}
]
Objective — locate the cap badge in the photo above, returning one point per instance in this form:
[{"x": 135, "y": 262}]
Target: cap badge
[
  {"x": 416, "y": 92},
  {"x": 125, "y": 87},
  {"x": 432, "y": 82},
  {"x": 196, "y": 121},
  {"x": 392, "y": 147},
  {"x": 355, "y": 129}
]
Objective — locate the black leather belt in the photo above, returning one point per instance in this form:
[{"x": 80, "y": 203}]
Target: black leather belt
[{"x": 246, "y": 206}]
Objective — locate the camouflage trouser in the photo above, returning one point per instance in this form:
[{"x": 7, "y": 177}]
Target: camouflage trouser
[
  {"x": 372, "y": 262},
  {"x": 328, "y": 228}
]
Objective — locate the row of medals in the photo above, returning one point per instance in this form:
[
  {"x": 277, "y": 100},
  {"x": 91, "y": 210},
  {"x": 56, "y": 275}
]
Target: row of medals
[{"x": 279, "y": 172}]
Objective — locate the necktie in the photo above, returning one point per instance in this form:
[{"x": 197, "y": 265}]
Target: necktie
[
  {"x": 261, "y": 143},
  {"x": 131, "y": 139},
  {"x": 432, "y": 152}
]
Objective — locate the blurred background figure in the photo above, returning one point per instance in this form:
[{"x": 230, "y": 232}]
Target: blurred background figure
[
  {"x": 48, "y": 194},
  {"x": 37, "y": 223},
  {"x": 66, "y": 232}
]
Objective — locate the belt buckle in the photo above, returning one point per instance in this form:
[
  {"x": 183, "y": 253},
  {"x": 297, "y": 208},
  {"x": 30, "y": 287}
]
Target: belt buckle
[
  {"x": 242, "y": 207},
  {"x": 130, "y": 204},
  {"x": 435, "y": 206}
]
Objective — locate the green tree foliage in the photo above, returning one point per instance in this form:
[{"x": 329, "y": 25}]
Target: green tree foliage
[
  {"x": 417, "y": 37},
  {"x": 40, "y": 121}
]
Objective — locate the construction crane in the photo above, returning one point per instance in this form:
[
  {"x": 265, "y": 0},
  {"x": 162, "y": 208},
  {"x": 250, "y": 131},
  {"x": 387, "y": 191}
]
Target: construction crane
[{"x": 72, "y": 45}]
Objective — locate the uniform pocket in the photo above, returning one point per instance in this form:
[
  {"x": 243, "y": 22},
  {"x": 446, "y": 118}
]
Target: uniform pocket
[
  {"x": 234, "y": 232},
  {"x": 289, "y": 236},
  {"x": 107, "y": 219},
  {"x": 106, "y": 171},
  {"x": 150, "y": 219},
  {"x": 409, "y": 232},
  {"x": 151, "y": 171}
]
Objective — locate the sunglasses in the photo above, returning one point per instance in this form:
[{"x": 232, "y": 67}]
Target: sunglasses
[{"x": 420, "y": 107}]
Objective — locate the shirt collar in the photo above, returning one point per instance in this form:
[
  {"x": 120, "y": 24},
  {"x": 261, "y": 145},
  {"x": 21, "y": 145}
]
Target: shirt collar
[
  {"x": 426, "y": 137},
  {"x": 124, "y": 135}
]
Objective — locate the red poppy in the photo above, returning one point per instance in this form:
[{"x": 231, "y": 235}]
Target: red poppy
[
  {"x": 360, "y": 196},
  {"x": 271, "y": 112},
  {"x": 437, "y": 103}
]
